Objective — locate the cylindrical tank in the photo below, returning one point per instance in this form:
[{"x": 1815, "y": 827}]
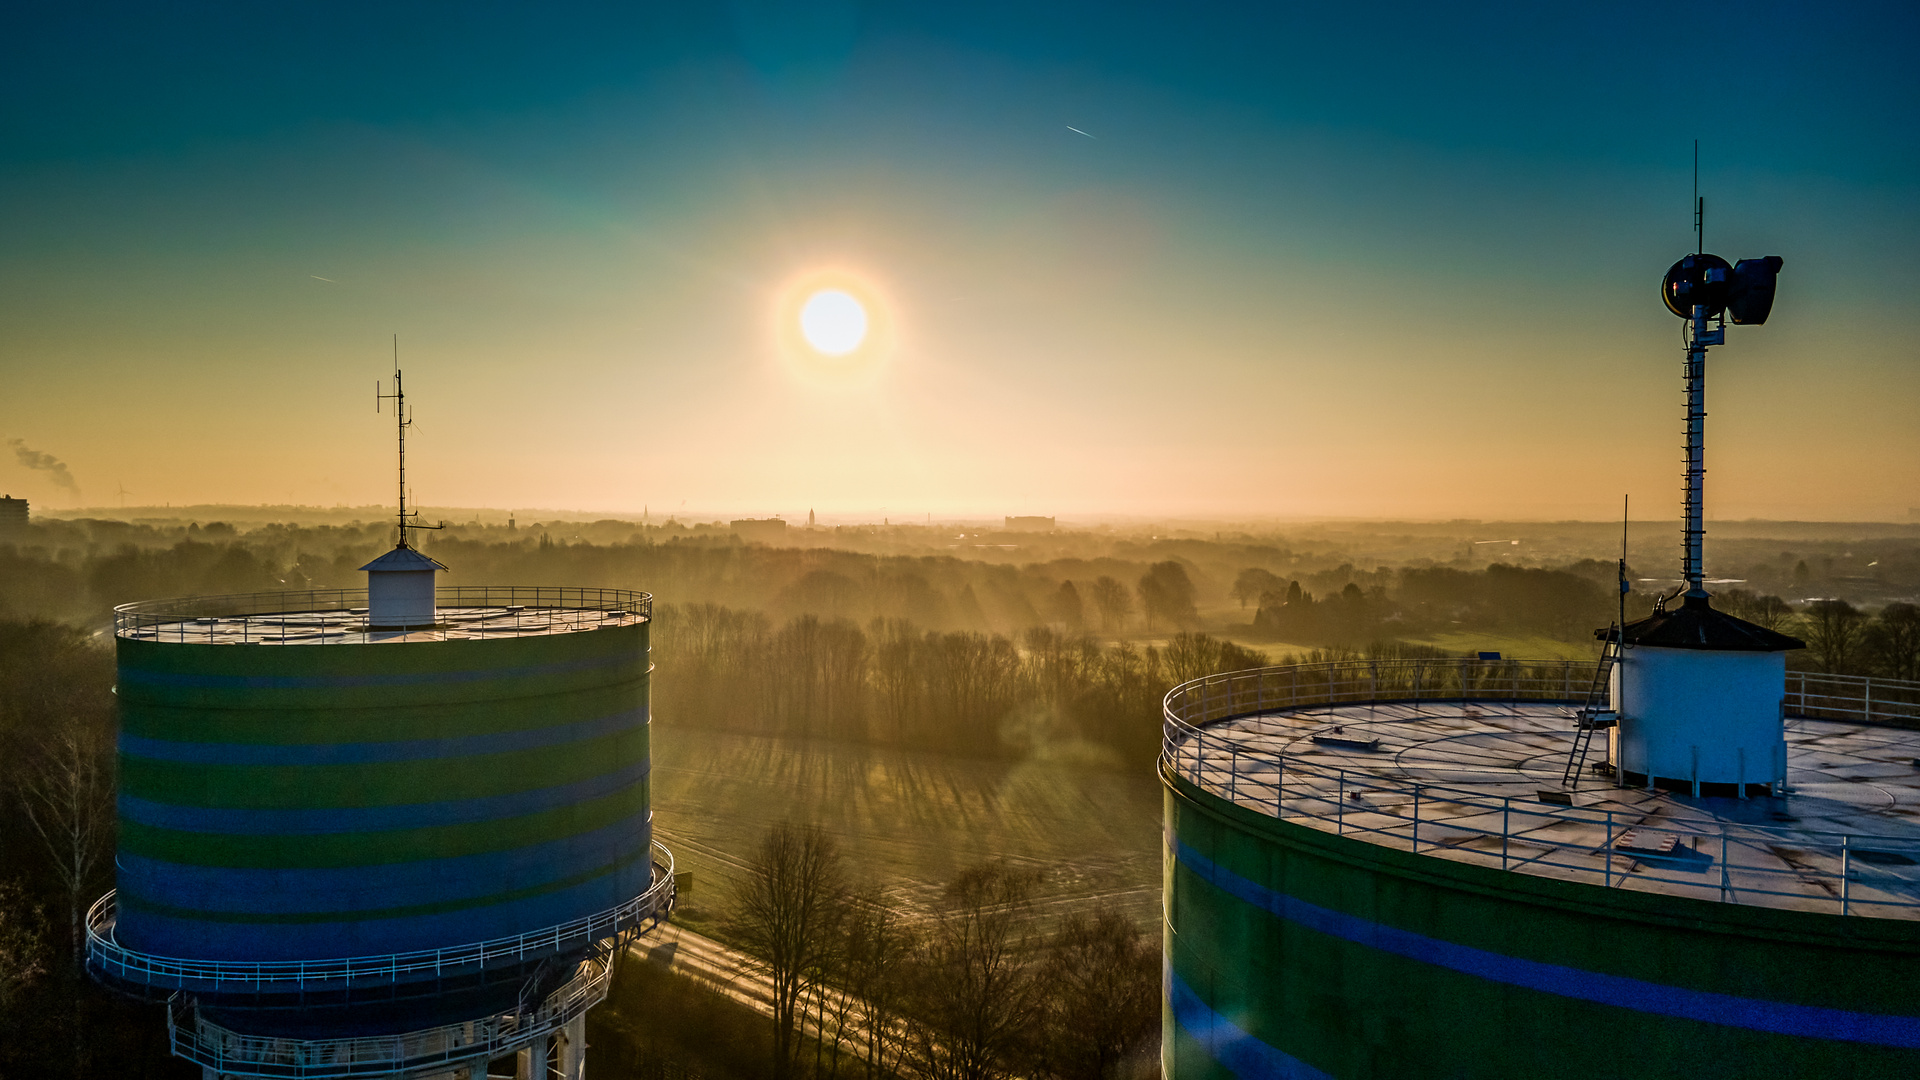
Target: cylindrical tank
[
  {"x": 360, "y": 798},
  {"x": 1373, "y": 870},
  {"x": 1294, "y": 953}
]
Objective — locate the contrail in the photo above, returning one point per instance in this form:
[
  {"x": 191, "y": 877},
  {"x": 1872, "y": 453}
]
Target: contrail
[
  {"x": 328, "y": 280},
  {"x": 55, "y": 469},
  {"x": 1077, "y": 131}
]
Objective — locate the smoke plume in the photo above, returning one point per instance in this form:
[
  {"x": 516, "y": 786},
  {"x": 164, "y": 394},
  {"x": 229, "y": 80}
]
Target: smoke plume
[{"x": 55, "y": 469}]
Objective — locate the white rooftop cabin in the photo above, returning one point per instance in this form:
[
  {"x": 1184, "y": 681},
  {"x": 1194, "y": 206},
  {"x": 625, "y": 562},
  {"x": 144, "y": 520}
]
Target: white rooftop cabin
[{"x": 400, "y": 590}]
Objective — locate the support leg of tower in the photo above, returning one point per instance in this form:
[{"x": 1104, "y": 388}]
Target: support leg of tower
[
  {"x": 573, "y": 1049},
  {"x": 523, "y": 1062}
]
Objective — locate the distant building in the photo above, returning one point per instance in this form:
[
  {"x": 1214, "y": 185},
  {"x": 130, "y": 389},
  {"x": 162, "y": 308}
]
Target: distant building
[
  {"x": 1029, "y": 524},
  {"x": 13, "y": 516},
  {"x": 759, "y": 530}
]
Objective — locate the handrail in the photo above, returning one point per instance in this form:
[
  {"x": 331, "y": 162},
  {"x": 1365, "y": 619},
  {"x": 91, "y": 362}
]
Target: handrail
[
  {"x": 1860, "y": 698},
  {"x": 109, "y": 957},
  {"x": 273, "y": 608},
  {"x": 1854, "y": 873},
  {"x": 231, "y": 1053}
]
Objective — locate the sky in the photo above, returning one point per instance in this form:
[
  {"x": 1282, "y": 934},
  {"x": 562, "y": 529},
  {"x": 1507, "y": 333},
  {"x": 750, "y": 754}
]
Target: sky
[{"x": 1242, "y": 261}]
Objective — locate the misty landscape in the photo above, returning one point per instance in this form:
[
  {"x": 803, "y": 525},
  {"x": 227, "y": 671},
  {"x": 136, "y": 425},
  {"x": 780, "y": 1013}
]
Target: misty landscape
[{"x": 933, "y": 701}]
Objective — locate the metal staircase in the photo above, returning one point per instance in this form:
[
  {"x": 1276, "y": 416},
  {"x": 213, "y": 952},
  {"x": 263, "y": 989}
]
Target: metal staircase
[{"x": 1595, "y": 715}]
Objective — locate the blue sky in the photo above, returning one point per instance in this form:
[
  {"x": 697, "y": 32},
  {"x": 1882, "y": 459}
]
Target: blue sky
[{"x": 1391, "y": 261}]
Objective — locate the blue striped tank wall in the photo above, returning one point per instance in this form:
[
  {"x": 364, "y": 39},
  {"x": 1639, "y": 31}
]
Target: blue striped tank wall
[
  {"x": 283, "y": 802},
  {"x": 1293, "y": 953}
]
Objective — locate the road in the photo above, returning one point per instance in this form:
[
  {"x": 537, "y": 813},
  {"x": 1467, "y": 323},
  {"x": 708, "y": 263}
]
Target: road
[{"x": 734, "y": 974}]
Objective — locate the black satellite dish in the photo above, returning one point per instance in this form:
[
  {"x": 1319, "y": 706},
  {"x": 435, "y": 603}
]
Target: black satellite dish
[
  {"x": 1751, "y": 298},
  {"x": 1743, "y": 293},
  {"x": 1696, "y": 280}
]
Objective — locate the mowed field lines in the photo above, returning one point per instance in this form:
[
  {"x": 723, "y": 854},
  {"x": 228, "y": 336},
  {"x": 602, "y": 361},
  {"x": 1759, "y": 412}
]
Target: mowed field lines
[{"x": 907, "y": 819}]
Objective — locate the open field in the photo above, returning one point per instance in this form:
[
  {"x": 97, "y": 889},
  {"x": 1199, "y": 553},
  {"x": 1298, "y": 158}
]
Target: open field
[
  {"x": 1524, "y": 646},
  {"x": 907, "y": 818}
]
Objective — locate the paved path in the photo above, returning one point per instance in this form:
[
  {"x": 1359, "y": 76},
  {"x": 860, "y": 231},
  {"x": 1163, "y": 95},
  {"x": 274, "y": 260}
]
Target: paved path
[{"x": 734, "y": 974}]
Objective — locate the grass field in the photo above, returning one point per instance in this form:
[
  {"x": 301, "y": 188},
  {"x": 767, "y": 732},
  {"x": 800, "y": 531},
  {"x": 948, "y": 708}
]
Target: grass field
[
  {"x": 906, "y": 819},
  {"x": 910, "y": 819},
  {"x": 1513, "y": 646}
]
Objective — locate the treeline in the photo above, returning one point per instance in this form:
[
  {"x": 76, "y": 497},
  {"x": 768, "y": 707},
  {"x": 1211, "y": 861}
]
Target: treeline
[
  {"x": 896, "y": 683},
  {"x": 1843, "y": 640},
  {"x": 1564, "y": 603},
  {"x": 57, "y": 784},
  {"x": 1567, "y": 603},
  {"x": 939, "y": 592},
  {"x": 977, "y": 988}
]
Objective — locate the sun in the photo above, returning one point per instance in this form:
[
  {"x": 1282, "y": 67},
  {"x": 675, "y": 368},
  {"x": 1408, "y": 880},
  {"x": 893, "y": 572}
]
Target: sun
[{"x": 833, "y": 322}]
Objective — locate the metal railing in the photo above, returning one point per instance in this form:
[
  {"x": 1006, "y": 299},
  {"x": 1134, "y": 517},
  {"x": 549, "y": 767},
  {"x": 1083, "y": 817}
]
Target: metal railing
[
  {"x": 268, "y": 616},
  {"x": 1621, "y": 846},
  {"x": 109, "y": 958},
  {"x": 232, "y": 1053},
  {"x": 1857, "y": 698}
]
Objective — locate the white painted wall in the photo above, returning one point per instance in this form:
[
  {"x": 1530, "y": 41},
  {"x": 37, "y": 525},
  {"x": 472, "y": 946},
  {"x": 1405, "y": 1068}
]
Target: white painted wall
[
  {"x": 400, "y": 598},
  {"x": 1722, "y": 706}
]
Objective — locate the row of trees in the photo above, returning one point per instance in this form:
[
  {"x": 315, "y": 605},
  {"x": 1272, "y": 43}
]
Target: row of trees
[
  {"x": 1565, "y": 603},
  {"x": 1569, "y": 604},
  {"x": 1843, "y": 640},
  {"x": 57, "y": 787},
  {"x": 938, "y": 592},
  {"x": 893, "y": 682},
  {"x": 974, "y": 991}
]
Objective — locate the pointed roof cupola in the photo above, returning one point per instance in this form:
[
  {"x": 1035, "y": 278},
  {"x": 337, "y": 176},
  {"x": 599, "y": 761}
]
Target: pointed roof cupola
[{"x": 400, "y": 590}]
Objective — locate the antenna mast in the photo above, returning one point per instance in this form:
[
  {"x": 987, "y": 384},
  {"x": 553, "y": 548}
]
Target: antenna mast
[
  {"x": 402, "y": 421},
  {"x": 1699, "y": 205},
  {"x": 1626, "y": 502}
]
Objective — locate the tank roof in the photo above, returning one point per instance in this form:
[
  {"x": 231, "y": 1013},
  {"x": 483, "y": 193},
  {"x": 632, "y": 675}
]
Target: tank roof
[
  {"x": 339, "y": 617},
  {"x": 1481, "y": 782},
  {"x": 1696, "y": 625}
]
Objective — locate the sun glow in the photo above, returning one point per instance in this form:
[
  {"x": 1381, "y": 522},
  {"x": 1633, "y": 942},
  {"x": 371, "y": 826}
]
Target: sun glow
[
  {"x": 833, "y": 322},
  {"x": 833, "y": 325}
]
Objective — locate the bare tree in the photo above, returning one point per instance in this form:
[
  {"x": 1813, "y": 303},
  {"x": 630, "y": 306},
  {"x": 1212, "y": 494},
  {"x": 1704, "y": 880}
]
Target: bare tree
[
  {"x": 67, "y": 796},
  {"x": 786, "y": 913},
  {"x": 1102, "y": 996},
  {"x": 23, "y": 944},
  {"x": 1771, "y": 612},
  {"x": 1167, "y": 593},
  {"x": 975, "y": 991},
  {"x": 1254, "y": 582},
  {"x": 1066, "y": 608},
  {"x": 896, "y": 667},
  {"x": 1833, "y": 629},
  {"x": 1114, "y": 602},
  {"x": 874, "y": 968},
  {"x": 1894, "y": 639}
]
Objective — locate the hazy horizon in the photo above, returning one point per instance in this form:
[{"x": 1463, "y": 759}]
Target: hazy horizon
[{"x": 1229, "y": 266}]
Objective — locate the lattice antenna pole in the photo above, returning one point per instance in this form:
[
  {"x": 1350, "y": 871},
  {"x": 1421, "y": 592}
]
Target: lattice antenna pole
[
  {"x": 401, "y": 423},
  {"x": 1696, "y": 379}
]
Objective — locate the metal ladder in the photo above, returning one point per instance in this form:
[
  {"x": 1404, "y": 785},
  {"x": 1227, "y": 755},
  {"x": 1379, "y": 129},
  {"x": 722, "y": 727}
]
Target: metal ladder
[{"x": 1594, "y": 715}]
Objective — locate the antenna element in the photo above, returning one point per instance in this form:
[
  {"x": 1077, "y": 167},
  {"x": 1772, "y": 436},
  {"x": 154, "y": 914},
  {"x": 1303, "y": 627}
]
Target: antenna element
[{"x": 402, "y": 421}]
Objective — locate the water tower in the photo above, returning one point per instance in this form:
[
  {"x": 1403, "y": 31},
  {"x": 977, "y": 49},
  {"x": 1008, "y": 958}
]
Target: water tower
[
  {"x": 1404, "y": 868},
  {"x": 394, "y": 832}
]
